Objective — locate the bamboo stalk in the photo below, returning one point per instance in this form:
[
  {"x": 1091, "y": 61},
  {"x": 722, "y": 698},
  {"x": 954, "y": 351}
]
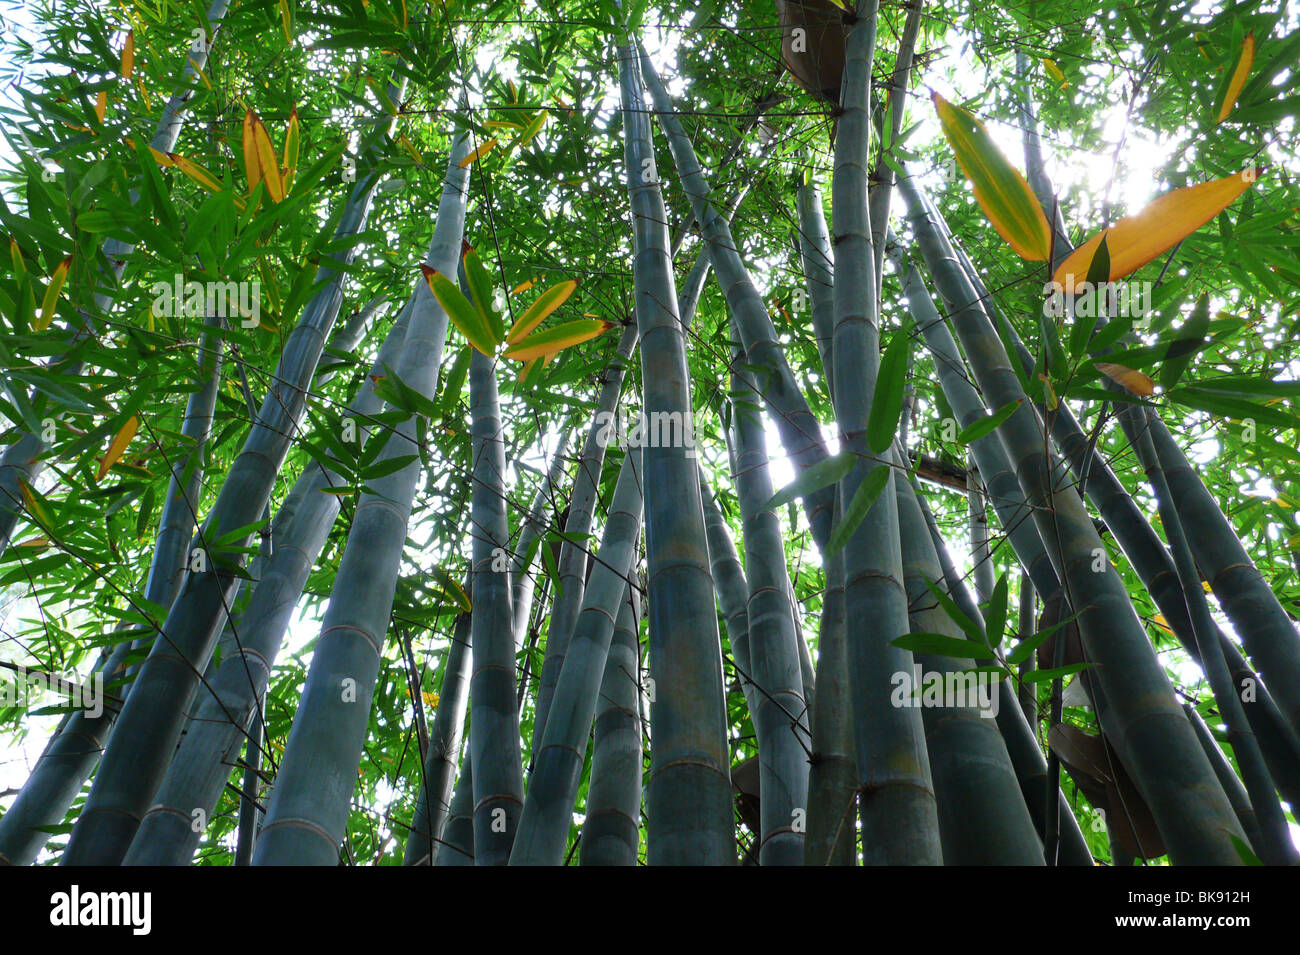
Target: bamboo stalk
[
  {"x": 800, "y": 433},
  {"x": 548, "y": 811},
  {"x": 896, "y": 796},
  {"x": 611, "y": 831},
  {"x": 689, "y": 800},
  {"x": 494, "y": 713},
  {"x": 781, "y": 719}
]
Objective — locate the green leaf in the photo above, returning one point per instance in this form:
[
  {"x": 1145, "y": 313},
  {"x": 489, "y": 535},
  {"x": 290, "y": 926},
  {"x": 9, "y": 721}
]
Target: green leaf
[
  {"x": 480, "y": 287},
  {"x": 887, "y": 403},
  {"x": 941, "y": 645},
  {"x": 813, "y": 479},
  {"x": 863, "y": 498},
  {"x": 1191, "y": 338},
  {"x": 461, "y": 312},
  {"x": 986, "y": 424},
  {"x": 996, "y": 615},
  {"x": 1040, "y": 676},
  {"x": 1098, "y": 276}
]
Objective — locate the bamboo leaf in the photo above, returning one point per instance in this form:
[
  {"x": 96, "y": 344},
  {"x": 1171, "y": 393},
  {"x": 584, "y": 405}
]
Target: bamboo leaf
[
  {"x": 553, "y": 340},
  {"x": 541, "y": 307},
  {"x": 460, "y": 311},
  {"x": 532, "y": 129},
  {"x": 51, "y": 300},
  {"x": 1136, "y": 382},
  {"x": 194, "y": 171},
  {"x": 813, "y": 479},
  {"x": 986, "y": 424},
  {"x": 858, "y": 508},
  {"x": 478, "y": 153},
  {"x": 955, "y": 613},
  {"x": 252, "y": 169},
  {"x": 128, "y": 56},
  {"x": 996, "y": 616},
  {"x": 1098, "y": 277},
  {"x": 1191, "y": 337},
  {"x": 887, "y": 403},
  {"x": 1000, "y": 189},
  {"x": 941, "y": 645},
  {"x": 266, "y": 161},
  {"x": 1239, "y": 76},
  {"x": 1136, "y": 240},
  {"x": 35, "y": 504},
  {"x": 480, "y": 286},
  {"x": 1041, "y": 676},
  {"x": 292, "y": 135},
  {"x": 101, "y": 105},
  {"x": 118, "y": 445}
]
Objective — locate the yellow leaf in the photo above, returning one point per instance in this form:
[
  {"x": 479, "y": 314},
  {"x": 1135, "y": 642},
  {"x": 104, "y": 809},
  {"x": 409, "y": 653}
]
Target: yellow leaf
[
  {"x": 502, "y": 124},
  {"x": 284, "y": 20},
  {"x": 162, "y": 158},
  {"x": 1134, "y": 381},
  {"x": 1160, "y": 621},
  {"x": 430, "y": 698},
  {"x": 196, "y": 172},
  {"x": 51, "y": 300},
  {"x": 128, "y": 55},
  {"x": 533, "y": 129},
  {"x": 410, "y": 150},
  {"x": 554, "y": 340},
  {"x": 1239, "y": 76},
  {"x": 1054, "y": 71},
  {"x": 514, "y": 93},
  {"x": 34, "y": 542},
  {"x": 478, "y": 154},
  {"x": 1000, "y": 189},
  {"x": 1049, "y": 392},
  {"x": 117, "y": 446},
  {"x": 527, "y": 367},
  {"x": 34, "y": 506},
  {"x": 266, "y": 161},
  {"x": 144, "y": 94},
  {"x": 251, "y": 168},
  {"x": 101, "y": 105},
  {"x": 16, "y": 253},
  {"x": 536, "y": 313},
  {"x": 291, "y": 137},
  {"x": 1136, "y": 240},
  {"x": 522, "y": 287}
]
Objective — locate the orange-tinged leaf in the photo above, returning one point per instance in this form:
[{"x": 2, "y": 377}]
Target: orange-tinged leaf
[
  {"x": 1137, "y": 239},
  {"x": 251, "y": 167},
  {"x": 1054, "y": 71},
  {"x": 1136, "y": 382},
  {"x": 1239, "y": 76},
  {"x": 291, "y": 138},
  {"x": 522, "y": 287},
  {"x": 410, "y": 149},
  {"x": 478, "y": 153},
  {"x": 52, "y": 291},
  {"x": 542, "y": 306},
  {"x": 162, "y": 158},
  {"x": 502, "y": 124},
  {"x": 34, "y": 542},
  {"x": 1000, "y": 189},
  {"x": 196, "y": 172},
  {"x": 117, "y": 446},
  {"x": 34, "y": 506},
  {"x": 266, "y": 160},
  {"x": 553, "y": 340},
  {"x": 101, "y": 105},
  {"x": 128, "y": 55},
  {"x": 533, "y": 128},
  {"x": 284, "y": 20}
]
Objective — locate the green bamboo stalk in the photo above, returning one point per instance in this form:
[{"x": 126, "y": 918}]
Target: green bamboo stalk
[
  {"x": 572, "y": 565},
  {"x": 732, "y": 590},
  {"x": 611, "y": 831},
  {"x": 548, "y": 811},
  {"x": 977, "y": 511},
  {"x": 780, "y": 720},
  {"x": 1021, "y": 740},
  {"x": 21, "y": 462},
  {"x": 689, "y": 799},
  {"x": 248, "y": 808},
  {"x": 230, "y": 701},
  {"x": 456, "y": 848},
  {"x": 308, "y": 810},
  {"x": 1028, "y": 694},
  {"x": 494, "y": 712},
  {"x": 1275, "y": 845},
  {"x": 883, "y": 175},
  {"x": 439, "y": 772},
  {"x": 800, "y": 433},
  {"x": 522, "y": 580},
  {"x": 1227, "y": 777},
  {"x": 897, "y": 803},
  {"x": 983, "y": 819},
  {"x": 815, "y": 254},
  {"x": 1142, "y": 719}
]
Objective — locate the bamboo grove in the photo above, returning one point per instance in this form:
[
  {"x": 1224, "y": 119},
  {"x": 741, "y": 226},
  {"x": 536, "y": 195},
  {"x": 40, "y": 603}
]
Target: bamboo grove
[{"x": 650, "y": 433}]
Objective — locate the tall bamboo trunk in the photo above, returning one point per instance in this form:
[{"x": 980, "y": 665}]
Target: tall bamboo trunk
[{"x": 689, "y": 799}]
